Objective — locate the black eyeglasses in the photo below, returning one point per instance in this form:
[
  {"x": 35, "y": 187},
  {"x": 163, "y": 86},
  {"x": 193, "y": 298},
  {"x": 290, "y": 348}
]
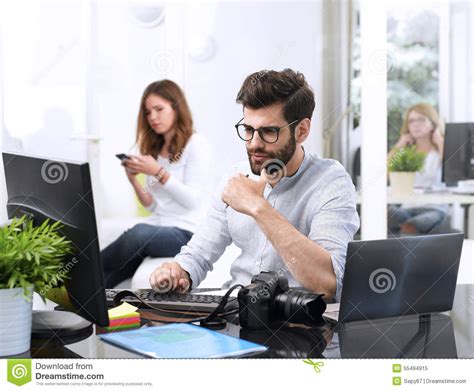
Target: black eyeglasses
[{"x": 268, "y": 134}]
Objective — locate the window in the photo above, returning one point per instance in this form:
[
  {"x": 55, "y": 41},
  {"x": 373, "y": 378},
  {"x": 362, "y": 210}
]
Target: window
[{"x": 412, "y": 63}]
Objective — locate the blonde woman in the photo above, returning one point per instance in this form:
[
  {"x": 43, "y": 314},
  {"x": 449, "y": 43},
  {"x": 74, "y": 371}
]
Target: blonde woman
[
  {"x": 176, "y": 162},
  {"x": 423, "y": 128}
]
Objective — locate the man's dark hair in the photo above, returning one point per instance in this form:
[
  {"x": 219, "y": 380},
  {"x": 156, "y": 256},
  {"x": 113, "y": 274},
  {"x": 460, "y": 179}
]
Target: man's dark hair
[{"x": 264, "y": 88}]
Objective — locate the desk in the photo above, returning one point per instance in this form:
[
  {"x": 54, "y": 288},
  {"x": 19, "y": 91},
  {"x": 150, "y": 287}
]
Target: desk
[
  {"x": 421, "y": 197},
  {"x": 447, "y": 335}
]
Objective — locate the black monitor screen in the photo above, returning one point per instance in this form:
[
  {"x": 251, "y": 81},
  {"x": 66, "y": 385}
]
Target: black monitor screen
[
  {"x": 62, "y": 191},
  {"x": 458, "y": 159}
]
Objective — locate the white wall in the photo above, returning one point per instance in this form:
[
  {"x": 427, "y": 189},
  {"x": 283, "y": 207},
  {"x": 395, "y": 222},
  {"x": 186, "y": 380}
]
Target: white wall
[
  {"x": 43, "y": 78},
  {"x": 373, "y": 34},
  {"x": 81, "y": 66},
  {"x": 122, "y": 69},
  {"x": 247, "y": 37},
  {"x": 250, "y": 37},
  {"x": 456, "y": 61},
  {"x": 43, "y": 74}
]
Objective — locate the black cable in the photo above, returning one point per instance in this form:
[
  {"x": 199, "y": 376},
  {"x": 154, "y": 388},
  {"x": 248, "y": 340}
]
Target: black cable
[{"x": 214, "y": 320}]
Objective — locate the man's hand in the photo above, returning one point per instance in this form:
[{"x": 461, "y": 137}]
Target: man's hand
[
  {"x": 170, "y": 276},
  {"x": 243, "y": 194}
]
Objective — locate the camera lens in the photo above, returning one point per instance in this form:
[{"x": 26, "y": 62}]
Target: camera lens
[{"x": 298, "y": 306}]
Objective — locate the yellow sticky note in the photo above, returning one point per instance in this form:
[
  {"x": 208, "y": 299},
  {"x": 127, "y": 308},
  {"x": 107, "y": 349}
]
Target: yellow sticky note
[{"x": 123, "y": 310}]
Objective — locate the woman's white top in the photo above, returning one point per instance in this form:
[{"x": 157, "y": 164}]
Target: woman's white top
[
  {"x": 183, "y": 200},
  {"x": 430, "y": 174}
]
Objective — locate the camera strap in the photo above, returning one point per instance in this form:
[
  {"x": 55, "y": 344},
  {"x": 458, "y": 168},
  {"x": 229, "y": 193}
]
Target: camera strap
[{"x": 214, "y": 320}]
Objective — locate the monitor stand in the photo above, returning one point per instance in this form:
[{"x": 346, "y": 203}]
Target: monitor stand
[{"x": 62, "y": 325}]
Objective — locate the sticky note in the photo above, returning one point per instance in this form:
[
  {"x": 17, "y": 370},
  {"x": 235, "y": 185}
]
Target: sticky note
[{"x": 125, "y": 310}]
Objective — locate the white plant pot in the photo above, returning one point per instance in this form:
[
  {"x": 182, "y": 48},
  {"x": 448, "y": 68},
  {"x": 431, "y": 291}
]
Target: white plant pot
[
  {"x": 15, "y": 322},
  {"x": 401, "y": 183}
]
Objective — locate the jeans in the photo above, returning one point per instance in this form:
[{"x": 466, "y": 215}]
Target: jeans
[
  {"x": 423, "y": 219},
  {"x": 121, "y": 258}
]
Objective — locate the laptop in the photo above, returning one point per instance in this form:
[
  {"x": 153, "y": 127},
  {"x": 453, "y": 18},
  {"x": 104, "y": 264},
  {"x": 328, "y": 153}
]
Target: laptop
[{"x": 399, "y": 276}]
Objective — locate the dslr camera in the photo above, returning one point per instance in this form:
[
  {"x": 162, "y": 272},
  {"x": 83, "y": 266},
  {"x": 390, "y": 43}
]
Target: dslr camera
[{"x": 269, "y": 300}]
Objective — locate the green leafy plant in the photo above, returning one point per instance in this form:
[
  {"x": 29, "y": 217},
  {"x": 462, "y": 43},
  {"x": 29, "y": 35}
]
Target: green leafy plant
[
  {"x": 31, "y": 255},
  {"x": 406, "y": 159}
]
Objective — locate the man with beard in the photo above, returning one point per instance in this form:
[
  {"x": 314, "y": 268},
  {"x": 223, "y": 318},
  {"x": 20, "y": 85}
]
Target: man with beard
[{"x": 294, "y": 213}]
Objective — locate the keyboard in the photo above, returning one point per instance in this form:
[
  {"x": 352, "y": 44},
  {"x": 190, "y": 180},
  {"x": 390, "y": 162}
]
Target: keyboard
[{"x": 172, "y": 301}]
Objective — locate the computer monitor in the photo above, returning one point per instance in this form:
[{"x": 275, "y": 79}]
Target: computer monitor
[
  {"x": 61, "y": 191},
  {"x": 458, "y": 158}
]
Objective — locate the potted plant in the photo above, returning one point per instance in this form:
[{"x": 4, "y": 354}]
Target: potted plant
[
  {"x": 30, "y": 258},
  {"x": 402, "y": 167}
]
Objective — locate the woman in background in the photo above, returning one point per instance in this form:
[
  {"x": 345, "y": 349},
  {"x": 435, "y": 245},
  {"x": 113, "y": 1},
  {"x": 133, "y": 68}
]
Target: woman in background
[
  {"x": 423, "y": 128},
  {"x": 176, "y": 162}
]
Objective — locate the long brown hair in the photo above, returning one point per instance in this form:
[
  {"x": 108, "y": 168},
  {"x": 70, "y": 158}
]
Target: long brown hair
[{"x": 150, "y": 143}]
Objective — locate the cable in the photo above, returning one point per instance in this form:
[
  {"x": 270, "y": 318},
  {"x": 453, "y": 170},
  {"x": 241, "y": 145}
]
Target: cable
[{"x": 213, "y": 321}]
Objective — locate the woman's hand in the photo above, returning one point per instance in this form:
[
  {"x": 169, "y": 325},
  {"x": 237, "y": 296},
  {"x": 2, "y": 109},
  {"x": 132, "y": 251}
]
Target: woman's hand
[
  {"x": 143, "y": 164},
  {"x": 438, "y": 140},
  {"x": 131, "y": 174},
  {"x": 404, "y": 140}
]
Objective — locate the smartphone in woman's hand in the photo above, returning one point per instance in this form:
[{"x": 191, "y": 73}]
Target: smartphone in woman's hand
[{"x": 122, "y": 156}]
